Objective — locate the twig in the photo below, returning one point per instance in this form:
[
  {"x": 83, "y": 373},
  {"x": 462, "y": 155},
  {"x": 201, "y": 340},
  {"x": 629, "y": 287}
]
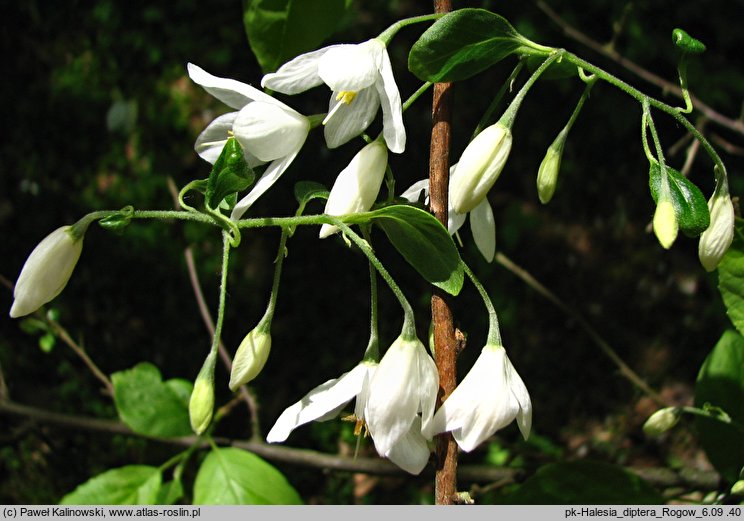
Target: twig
[
  {"x": 4, "y": 394},
  {"x": 625, "y": 370},
  {"x": 468, "y": 473},
  {"x": 206, "y": 316},
  {"x": 737, "y": 125}
]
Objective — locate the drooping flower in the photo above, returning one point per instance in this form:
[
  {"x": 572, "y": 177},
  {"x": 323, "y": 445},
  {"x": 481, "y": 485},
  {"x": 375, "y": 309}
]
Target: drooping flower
[
  {"x": 482, "y": 222},
  {"x": 715, "y": 241},
  {"x": 250, "y": 357},
  {"x": 479, "y": 167},
  {"x": 267, "y": 129},
  {"x": 361, "y": 78},
  {"x": 489, "y": 398},
  {"x": 46, "y": 271},
  {"x": 326, "y": 401},
  {"x": 404, "y": 386},
  {"x": 356, "y": 187}
]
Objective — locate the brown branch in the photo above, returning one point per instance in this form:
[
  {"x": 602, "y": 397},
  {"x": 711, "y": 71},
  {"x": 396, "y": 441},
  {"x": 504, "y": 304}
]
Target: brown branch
[
  {"x": 661, "y": 477},
  {"x": 445, "y": 489},
  {"x": 737, "y": 125},
  {"x": 625, "y": 370}
]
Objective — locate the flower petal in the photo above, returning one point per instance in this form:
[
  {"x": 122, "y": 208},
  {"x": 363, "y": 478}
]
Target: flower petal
[
  {"x": 350, "y": 120},
  {"x": 392, "y": 113},
  {"x": 351, "y": 67},
  {"x": 212, "y": 140},
  {"x": 270, "y": 132},
  {"x": 269, "y": 177},
  {"x": 413, "y": 192},
  {"x": 231, "y": 92},
  {"x": 411, "y": 452},
  {"x": 524, "y": 416},
  {"x": 483, "y": 226},
  {"x": 297, "y": 75},
  {"x": 428, "y": 386},
  {"x": 316, "y": 404}
]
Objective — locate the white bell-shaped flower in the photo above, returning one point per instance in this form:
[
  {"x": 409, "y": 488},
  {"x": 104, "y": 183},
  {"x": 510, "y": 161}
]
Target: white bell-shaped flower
[
  {"x": 361, "y": 78},
  {"x": 715, "y": 241},
  {"x": 404, "y": 386},
  {"x": 479, "y": 167},
  {"x": 356, "y": 187},
  {"x": 267, "y": 129},
  {"x": 46, "y": 271},
  {"x": 489, "y": 398}
]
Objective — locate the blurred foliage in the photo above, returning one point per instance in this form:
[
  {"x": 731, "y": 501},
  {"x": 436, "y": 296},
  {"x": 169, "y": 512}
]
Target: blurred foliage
[{"x": 100, "y": 113}]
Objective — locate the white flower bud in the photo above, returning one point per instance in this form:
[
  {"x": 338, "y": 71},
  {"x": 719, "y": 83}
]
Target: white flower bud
[
  {"x": 661, "y": 421},
  {"x": 479, "y": 167},
  {"x": 250, "y": 357},
  {"x": 357, "y": 186},
  {"x": 715, "y": 241},
  {"x": 201, "y": 405},
  {"x": 547, "y": 175},
  {"x": 46, "y": 271},
  {"x": 665, "y": 224}
]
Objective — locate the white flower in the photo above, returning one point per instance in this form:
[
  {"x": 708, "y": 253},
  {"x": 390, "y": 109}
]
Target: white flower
[
  {"x": 356, "y": 187},
  {"x": 250, "y": 357},
  {"x": 405, "y": 384},
  {"x": 361, "y": 78},
  {"x": 482, "y": 222},
  {"x": 46, "y": 271},
  {"x": 479, "y": 167},
  {"x": 665, "y": 224},
  {"x": 326, "y": 401},
  {"x": 267, "y": 129},
  {"x": 489, "y": 397},
  {"x": 715, "y": 241}
]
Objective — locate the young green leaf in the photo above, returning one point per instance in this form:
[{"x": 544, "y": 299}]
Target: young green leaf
[
  {"x": 424, "y": 243},
  {"x": 117, "y": 221},
  {"x": 278, "y": 30},
  {"x": 689, "y": 203},
  {"x": 230, "y": 476},
  {"x": 129, "y": 485},
  {"x": 731, "y": 278},
  {"x": 686, "y": 42},
  {"x": 720, "y": 383},
  {"x": 150, "y": 406},
  {"x": 462, "y": 44},
  {"x": 230, "y": 174},
  {"x": 306, "y": 191}
]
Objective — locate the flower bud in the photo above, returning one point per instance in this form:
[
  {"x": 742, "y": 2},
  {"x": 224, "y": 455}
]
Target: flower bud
[
  {"x": 665, "y": 224},
  {"x": 357, "y": 186},
  {"x": 715, "y": 241},
  {"x": 661, "y": 421},
  {"x": 479, "y": 167},
  {"x": 201, "y": 404},
  {"x": 46, "y": 271},
  {"x": 547, "y": 175},
  {"x": 737, "y": 489},
  {"x": 250, "y": 357}
]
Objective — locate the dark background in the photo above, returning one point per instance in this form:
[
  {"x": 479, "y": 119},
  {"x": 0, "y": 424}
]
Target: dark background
[{"x": 98, "y": 113}]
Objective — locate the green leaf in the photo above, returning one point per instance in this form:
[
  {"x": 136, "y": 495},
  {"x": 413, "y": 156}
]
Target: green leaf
[
  {"x": 150, "y": 406},
  {"x": 130, "y": 485},
  {"x": 117, "y": 221},
  {"x": 424, "y": 243},
  {"x": 689, "y": 203},
  {"x": 720, "y": 383},
  {"x": 462, "y": 44},
  {"x": 170, "y": 492},
  {"x": 233, "y": 476},
  {"x": 230, "y": 174},
  {"x": 306, "y": 191},
  {"x": 731, "y": 278},
  {"x": 686, "y": 42},
  {"x": 583, "y": 483},
  {"x": 279, "y": 30}
]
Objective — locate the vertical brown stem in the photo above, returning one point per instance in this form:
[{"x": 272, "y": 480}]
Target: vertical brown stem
[{"x": 445, "y": 343}]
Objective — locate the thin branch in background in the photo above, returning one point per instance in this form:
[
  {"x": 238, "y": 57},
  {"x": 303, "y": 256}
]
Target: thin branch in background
[
  {"x": 660, "y": 477},
  {"x": 4, "y": 394},
  {"x": 245, "y": 394},
  {"x": 625, "y": 370},
  {"x": 737, "y": 125},
  {"x": 729, "y": 147}
]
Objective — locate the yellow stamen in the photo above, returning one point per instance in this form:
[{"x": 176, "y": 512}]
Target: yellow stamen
[{"x": 346, "y": 96}]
